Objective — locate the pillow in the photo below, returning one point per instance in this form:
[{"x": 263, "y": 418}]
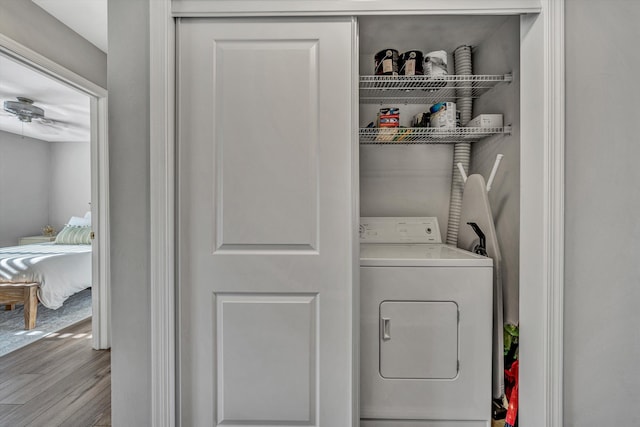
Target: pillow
[
  {"x": 79, "y": 222},
  {"x": 74, "y": 235}
]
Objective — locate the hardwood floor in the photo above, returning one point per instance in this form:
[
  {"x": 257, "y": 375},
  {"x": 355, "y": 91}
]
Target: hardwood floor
[{"x": 57, "y": 381}]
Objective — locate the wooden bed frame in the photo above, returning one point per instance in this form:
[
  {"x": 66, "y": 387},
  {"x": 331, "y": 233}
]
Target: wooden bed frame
[{"x": 23, "y": 293}]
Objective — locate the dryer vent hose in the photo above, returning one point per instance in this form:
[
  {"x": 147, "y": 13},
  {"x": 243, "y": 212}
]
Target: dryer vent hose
[{"x": 462, "y": 150}]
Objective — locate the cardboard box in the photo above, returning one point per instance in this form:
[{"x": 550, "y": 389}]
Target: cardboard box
[
  {"x": 486, "y": 121},
  {"x": 389, "y": 117}
]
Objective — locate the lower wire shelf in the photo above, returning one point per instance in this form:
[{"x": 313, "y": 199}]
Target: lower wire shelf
[{"x": 429, "y": 135}]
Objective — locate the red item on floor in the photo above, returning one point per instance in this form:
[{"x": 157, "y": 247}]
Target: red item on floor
[
  {"x": 512, "y": 412},
  {"x": 511, "y": 376}
]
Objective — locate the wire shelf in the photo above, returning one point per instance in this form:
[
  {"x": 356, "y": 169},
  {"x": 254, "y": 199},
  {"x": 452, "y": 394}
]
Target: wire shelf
[
  {"x": 425, "y": 89},
  {"x": 428, "y": 135}
]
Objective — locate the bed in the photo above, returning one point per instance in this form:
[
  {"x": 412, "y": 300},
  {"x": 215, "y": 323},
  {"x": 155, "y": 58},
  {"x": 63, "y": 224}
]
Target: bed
[{"x": 48, "y": 272}]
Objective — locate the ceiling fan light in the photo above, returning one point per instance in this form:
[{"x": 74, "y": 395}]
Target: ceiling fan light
[{"x": 24, "y": 109}]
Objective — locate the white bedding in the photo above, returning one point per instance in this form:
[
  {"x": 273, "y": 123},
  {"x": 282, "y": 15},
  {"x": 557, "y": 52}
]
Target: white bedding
[{"x": 61, "y": 270}]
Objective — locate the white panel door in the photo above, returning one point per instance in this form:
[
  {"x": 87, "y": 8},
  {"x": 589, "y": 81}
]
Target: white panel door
[{"x": 265, "y": 224}]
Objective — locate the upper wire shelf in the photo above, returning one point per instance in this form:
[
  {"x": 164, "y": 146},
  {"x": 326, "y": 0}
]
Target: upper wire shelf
[{"x": 425, "y": 89}]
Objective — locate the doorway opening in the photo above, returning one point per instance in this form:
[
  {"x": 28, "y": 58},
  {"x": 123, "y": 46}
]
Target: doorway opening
[{"x": 68, "y": 166}]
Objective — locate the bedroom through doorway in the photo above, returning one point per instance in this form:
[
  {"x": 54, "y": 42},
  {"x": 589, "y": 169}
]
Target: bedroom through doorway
[{"x": 53, "y": 201}]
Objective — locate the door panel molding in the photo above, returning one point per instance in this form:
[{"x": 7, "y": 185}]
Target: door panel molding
[
  {"x": 272, "y": 361},
  {"x": 257, "y": 208}
]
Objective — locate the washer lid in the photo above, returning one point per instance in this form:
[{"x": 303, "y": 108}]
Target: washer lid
[{"x": 419, "y": 255}]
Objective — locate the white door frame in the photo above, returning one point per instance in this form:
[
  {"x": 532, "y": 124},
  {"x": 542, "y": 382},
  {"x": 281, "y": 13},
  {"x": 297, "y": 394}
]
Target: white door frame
[
  {"x": 99, "y": 178},
  {"x": 542, "y": 192}
]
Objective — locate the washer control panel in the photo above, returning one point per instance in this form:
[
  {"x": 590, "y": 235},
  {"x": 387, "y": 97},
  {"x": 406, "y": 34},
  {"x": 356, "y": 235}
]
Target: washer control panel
[{"x": 399, "y": 230}]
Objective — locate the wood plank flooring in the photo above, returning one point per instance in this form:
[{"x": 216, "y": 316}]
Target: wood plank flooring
[{"x": 57, "y": 381}]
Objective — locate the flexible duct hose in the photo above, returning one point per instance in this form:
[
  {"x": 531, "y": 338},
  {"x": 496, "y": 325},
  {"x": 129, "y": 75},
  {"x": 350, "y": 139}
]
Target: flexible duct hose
[{"x": 462, "y": 150}]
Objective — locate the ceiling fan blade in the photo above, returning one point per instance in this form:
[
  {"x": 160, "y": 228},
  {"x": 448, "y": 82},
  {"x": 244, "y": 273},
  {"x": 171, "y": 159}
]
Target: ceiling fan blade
[{"x": 51, "y": 123}]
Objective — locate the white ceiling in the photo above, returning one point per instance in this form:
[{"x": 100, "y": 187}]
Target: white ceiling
[
  {"x": 86, "y": 17},
  {"x": 68, "y": 108}
]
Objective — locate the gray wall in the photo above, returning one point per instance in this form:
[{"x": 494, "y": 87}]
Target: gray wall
[
  {"x": 70, "y": 181},
  {"x": 128, "y": 77},
  {"x": 29, "y": 25},
  {"x": 41, "y": 183},
  {"x": 24, "y": 187},
  {"x": 602, "y": 239}
]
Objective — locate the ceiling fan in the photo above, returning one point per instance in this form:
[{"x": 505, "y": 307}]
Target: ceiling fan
[
  {"x": 26, "y": 112},
  {"x": 24, "y": 109}
]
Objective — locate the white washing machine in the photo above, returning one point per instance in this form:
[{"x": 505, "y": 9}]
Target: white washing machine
[{"x": 426, "y": 328}]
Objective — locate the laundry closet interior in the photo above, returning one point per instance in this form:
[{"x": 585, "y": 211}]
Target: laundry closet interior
[
  {"x": 283, "y": 170},
  {"x": 407, "y": 173}
]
